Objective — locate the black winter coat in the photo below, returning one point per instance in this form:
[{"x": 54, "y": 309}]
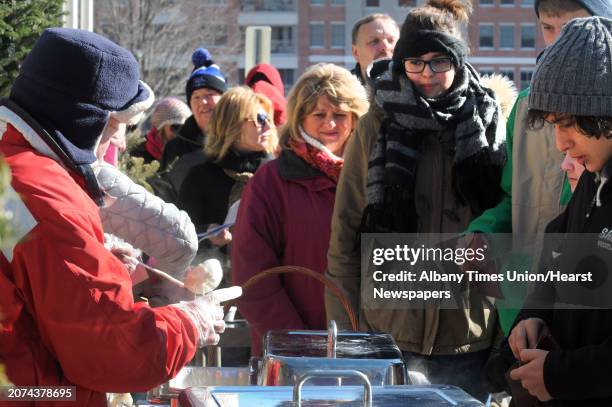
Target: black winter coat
[
  {"x": 205, "y": 191},
  {"x": 189, "y": 138},
  {"x": 581, "y": 373}
]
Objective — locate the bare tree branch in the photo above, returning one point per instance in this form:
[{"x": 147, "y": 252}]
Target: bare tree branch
[{"x": 162, "y": 34}]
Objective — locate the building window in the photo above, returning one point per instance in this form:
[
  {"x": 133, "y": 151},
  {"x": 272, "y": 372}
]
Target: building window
[
  {"x": 485, "y": 71},
  {"x": 372, "y": 3},
  {"x": 406, "y": 3},
  {"x": 509, "y": 73},
  {"x": 506, "y": 36},
  {"x": 525, "y": 78},
  {"x": 506, "y": 3},
  {"x": 337, "y": 2},
  {"x": 526, "y": 3},
  {"x": 528, "y": 35},
  {"x": 288, "y": 78},
  {"x": 282, "y": 40},
  {"x": 317, "y": 34},
  {"x": 317, "y": 2},
  {"x": 485, "y": 36},
  {"x": 337, "y": 35},
  {"x": 486, "y": 3}
]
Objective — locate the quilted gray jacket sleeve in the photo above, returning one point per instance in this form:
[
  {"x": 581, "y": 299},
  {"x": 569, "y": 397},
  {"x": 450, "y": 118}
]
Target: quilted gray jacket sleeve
[{"x": 145, "y": 221}]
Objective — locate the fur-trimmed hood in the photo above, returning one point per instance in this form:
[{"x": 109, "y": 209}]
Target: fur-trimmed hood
[{"x": 505, "y": 91}]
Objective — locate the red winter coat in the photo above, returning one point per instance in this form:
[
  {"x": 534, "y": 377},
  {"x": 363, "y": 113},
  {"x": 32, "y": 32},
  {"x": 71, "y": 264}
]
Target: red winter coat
[
  {"x": 284, "y": 219},
  {"x": 69, "y": 315},
  {"x": 265, "y": 79}
]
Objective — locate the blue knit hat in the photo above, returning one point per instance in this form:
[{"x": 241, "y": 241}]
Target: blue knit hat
[
  {"x": 71, "y": 83},
  {"x": 206, "y": 74},
  {"x": 601, "y": 8}
]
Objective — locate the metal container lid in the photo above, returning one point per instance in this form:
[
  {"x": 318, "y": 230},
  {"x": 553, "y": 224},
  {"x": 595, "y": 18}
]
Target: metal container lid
[{"x": 354, "y": 345}]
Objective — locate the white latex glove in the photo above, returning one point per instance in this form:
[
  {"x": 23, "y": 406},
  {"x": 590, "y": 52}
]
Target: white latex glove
[
  {"x": 119, "y": 400},
  {"x": 119, "y": 247},
  {"x": 207, "y": 313},
  {"x": 134, "y": 266},
  {"x": 130, "y": 263}
]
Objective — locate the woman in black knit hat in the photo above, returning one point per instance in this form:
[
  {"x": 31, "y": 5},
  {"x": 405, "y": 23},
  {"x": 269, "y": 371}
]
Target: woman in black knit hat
[{"x": 426, "y": 158}]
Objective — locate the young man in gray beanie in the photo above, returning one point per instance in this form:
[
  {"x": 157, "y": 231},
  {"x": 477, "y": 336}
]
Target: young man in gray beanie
[
  {"x": 535, "y": 190},
  {"x": 572, "y": 91}
]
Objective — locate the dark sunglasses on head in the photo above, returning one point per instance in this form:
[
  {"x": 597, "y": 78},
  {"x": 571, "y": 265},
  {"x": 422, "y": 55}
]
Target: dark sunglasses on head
[
  {"x": 437, "y": 65},
  {"x": 262, "y": 118}
]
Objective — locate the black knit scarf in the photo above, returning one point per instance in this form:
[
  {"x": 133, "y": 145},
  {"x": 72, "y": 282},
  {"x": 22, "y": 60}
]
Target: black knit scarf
[
  {"x": 468, "y": 108},
  {"x": 241, "y": 167}
]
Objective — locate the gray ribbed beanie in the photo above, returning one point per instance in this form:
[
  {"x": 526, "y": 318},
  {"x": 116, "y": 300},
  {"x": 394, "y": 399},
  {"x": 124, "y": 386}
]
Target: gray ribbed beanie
[
  {"x": 574, "y": 74},
  {"x": 602, "y": 8}
]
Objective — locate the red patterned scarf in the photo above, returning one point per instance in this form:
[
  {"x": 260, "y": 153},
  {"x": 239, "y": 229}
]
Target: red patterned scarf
[{"x": 316, "y": 155}]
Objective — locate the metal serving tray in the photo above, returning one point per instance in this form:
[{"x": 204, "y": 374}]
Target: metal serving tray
[
  {"x": 192, "y": 376},
  {"x": 321, "y": 396}
]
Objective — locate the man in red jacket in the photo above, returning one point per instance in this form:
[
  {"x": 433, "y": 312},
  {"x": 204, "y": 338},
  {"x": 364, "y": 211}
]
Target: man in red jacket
[{"x": 69, "y": 318}]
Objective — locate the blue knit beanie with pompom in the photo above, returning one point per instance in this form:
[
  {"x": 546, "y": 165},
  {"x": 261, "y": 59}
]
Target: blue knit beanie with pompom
[{"x": 205, "y": 74}]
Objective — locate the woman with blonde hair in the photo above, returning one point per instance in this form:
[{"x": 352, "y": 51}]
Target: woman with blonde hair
[
  {"x": 285, "y": 214},
  {"x": 241, "y": 136}
]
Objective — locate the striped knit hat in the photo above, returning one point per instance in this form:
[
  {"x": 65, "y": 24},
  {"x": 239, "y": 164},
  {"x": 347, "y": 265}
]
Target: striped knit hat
[
  {"x": 169, "y": 111},
  {"x": 206, "y": 74}
]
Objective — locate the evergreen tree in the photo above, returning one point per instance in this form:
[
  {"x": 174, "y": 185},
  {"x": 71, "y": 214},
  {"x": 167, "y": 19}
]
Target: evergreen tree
[{"x": 21, "y": 22}]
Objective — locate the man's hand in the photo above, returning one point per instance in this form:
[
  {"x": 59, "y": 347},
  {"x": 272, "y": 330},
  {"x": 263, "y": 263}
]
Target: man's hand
[
  {"x": 531, "y": 373},
  {"x": 206, "y": 313},
  {"x": 475, "y": 241},
  {"x": 478, "y": 243},
  {"x": 222, "y": 238},
  {"x": 525, "y": 335},
  {"x": 126, "y": 253}
]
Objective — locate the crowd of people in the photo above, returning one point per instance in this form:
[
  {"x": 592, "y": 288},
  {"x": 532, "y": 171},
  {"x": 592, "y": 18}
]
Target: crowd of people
[{"x": 412, "y": 140}]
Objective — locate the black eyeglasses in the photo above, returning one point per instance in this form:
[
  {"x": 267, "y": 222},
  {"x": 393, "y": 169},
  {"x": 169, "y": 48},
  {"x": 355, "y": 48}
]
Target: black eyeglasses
[{"x": 437, "y": 65}]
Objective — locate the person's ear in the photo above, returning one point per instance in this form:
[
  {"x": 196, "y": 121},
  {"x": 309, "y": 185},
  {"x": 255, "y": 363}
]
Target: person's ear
[
  {"x": 164, "y": 133},
  {"x": 355, "y": 52}
]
